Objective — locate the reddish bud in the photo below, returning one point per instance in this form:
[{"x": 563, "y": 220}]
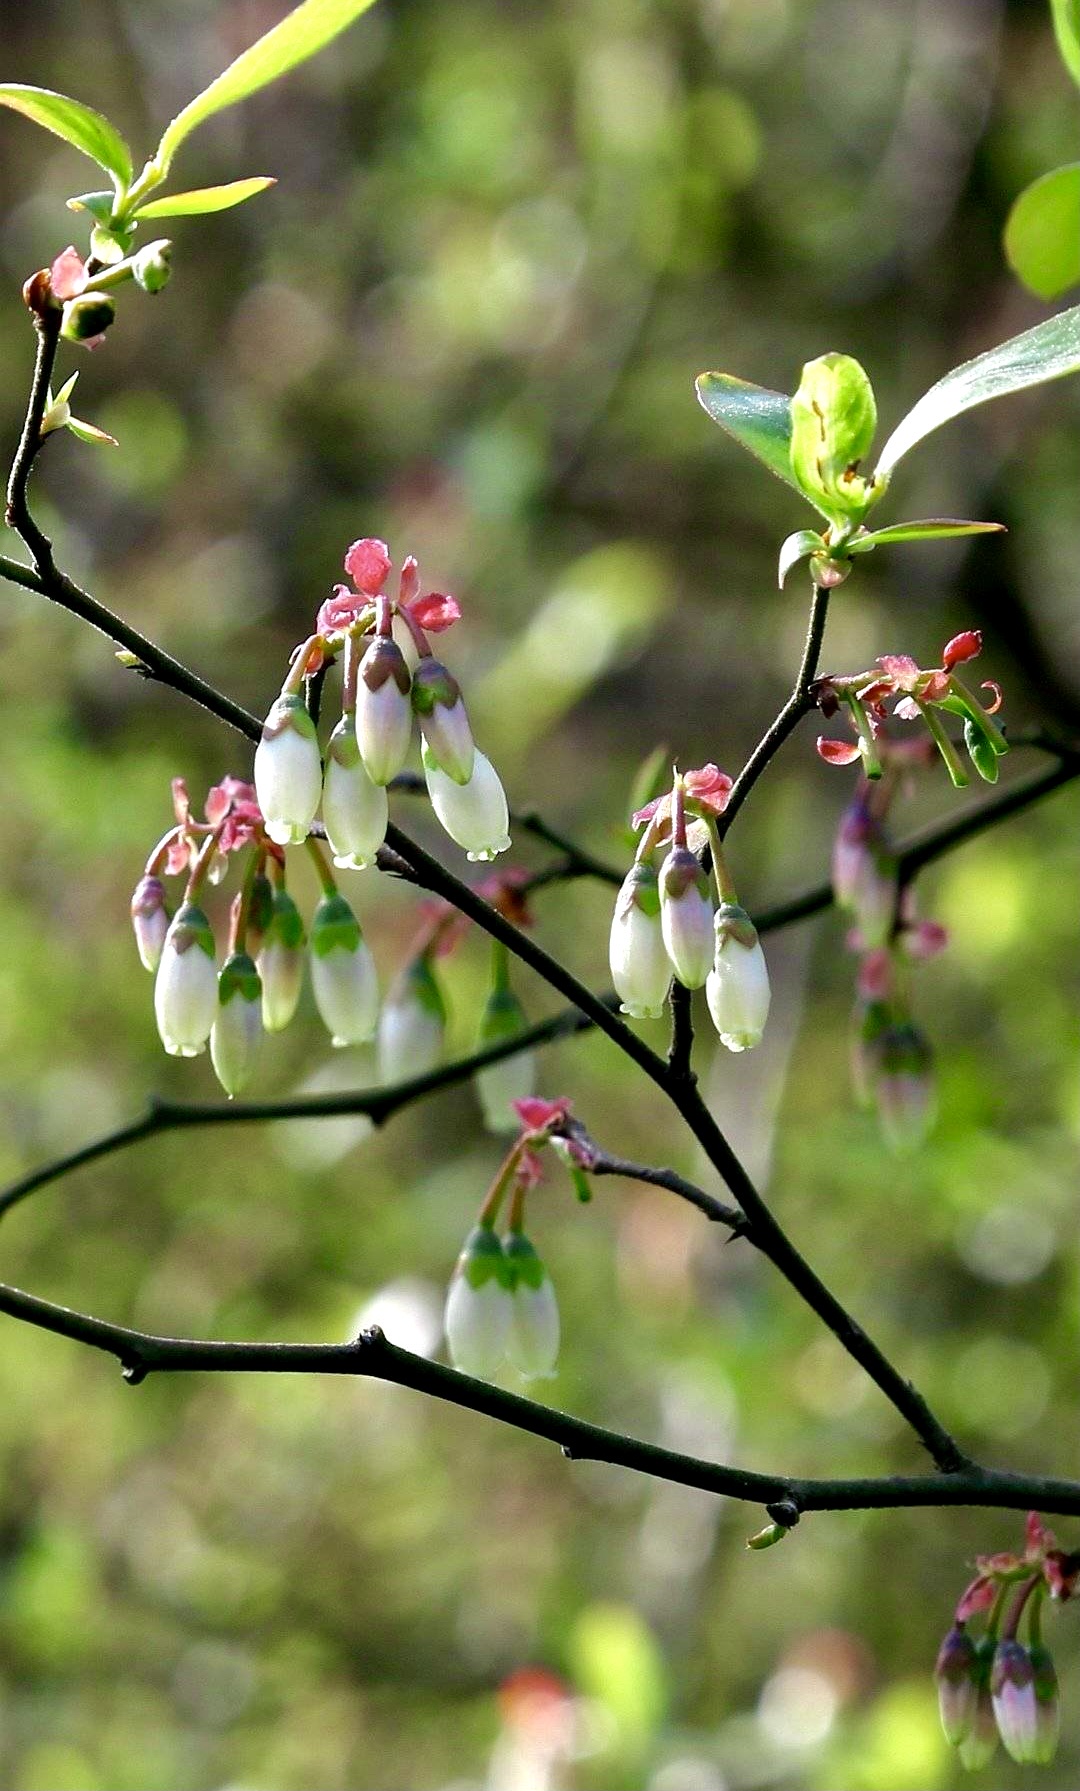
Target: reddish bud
[{"x": 961, "y": 648}]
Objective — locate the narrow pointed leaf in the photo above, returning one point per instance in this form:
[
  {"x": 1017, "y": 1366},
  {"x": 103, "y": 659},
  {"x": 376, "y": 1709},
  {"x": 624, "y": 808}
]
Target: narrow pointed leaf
[
  {"x": 757, "y": 418},
  {"x": 299, "y": 35},
  {"x": 206, "y": 199},
  {"x": 66, "y": 390},
  {"x": 89, "y": 432},
  {"x": 938, "y": 528},
  {"x": 77, "y": 124},
  {"x": 1048, "y": 351},
  {"x": 796, "y": 548},
  {"x": 1042, "y": 233},
  {"x": 1067, "y": 31}
]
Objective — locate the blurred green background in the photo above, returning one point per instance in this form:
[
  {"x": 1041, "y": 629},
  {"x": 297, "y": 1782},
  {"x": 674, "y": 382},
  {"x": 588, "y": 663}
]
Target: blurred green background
[{"x": 505, "y": 239}]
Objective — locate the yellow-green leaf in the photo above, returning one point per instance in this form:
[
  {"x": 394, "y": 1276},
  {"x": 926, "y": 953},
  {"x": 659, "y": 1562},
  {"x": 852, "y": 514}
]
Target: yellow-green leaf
[
  {"x": 1067, "y": 31},
  {"x": 77, "y": 124},
  {"x": 757, "y": 418},
  {"x": 1042, "y": 233},
  {"x": 299, "y": 35},
  {"x": 206, "y": 199}
]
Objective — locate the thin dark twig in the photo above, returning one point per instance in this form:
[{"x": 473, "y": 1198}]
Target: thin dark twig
[
  {"x": 142, "y": 1353},
  {"x": 681, "y": 1048},
  {"x": 799, "y": 703}
]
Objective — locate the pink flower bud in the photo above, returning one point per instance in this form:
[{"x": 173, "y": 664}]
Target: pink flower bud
[
  {"x": 185, "y": 990},
  {"x": 436, "y": 698},
  {"x": 150, "y": 919},
  {"x": 686, "y": 917},
  {"x": 355, "y": 810},
  {"x": 640, "y": 966},
  {"x": 383, "y": 710},
  {"x": 1012, "y": 1688},
  {"x": 288, "y": 771},
  {"x": 957, "y": 1679}
]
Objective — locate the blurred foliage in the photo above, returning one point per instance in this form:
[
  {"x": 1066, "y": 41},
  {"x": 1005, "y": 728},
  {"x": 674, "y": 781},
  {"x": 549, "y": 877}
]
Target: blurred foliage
[{"x": 468, "y": 318}]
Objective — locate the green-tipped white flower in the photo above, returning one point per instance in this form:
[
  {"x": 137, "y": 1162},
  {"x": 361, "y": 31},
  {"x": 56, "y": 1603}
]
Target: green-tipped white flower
[
  {"x": 479, "y": 1305},
  {"x": 281, "y": 962},
  {"x": 437, "y": 700},
  {"x": 475, "y": 814},
  {"x": 412, "y": 1023},
  {"x": 343, "y": 974},
  {"x": 355, "y": 809},
  {"x": 533, "y": 1343},
  {"x": 640, "y": 966},
  {"x": 238, "y": 1028},
  {"x": 686, "y": 916},
  {"x": 383, "y": 709},
  {"x": 288, "y": 771},
  {"x": 150, "y": 920},
  {"x": 513, "y": 1078},
  {"x": 737, "y": 989},
  {"x": 185, "y": 990}
]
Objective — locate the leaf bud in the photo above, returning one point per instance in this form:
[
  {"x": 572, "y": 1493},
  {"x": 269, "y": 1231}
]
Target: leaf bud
[
  {"x": 833, "y": 419},
  {"x": 151, "y": 267}
]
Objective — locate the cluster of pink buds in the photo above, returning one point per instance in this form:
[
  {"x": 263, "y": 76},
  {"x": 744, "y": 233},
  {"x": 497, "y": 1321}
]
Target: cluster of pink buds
[
  {"x": 892, "y": 1063},
  {"x": 996, "y": 1685},
  {"x": 258, "y": 986},
  {"x": 384, "y": 685},
  {"x": 501, "y": 1305},
  {"x": 925, "y": 696},
  {"x": 666, "y": 923}
]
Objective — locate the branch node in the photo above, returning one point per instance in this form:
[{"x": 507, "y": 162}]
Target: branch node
[
  {"x": 134, "y": 1372},
  {"x": 784, "y": 1512}
]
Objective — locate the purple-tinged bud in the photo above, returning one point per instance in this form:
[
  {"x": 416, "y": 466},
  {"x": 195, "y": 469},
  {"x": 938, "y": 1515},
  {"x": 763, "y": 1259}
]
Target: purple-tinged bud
[
  {"x": 737, "y": 989},
  {"x": 479, "y": 1305},
  {"x": 1012, "y": 1688},
  {"x": 903, "y": 1087},
  {"x": 288, "y": 771},
  {"x": 383, "y": 710},
  {"x": 511, "y": 1079},
  {"x": 686, "y": 917},
  {"x": 343, "y": 974},
  {"x": 979, "y": 1745},
  {"x": 238, "y": 1028},
  {"x": 281, "y": 962},
  {"x": 532, "y": 1346},
  {"x": 437, "y": 700},
  {"x": 1047, "y": 1706},
  {"x": 957, "y": 1677},
  {"x": 355, "y": 809},
  {"x": 640, "y": 966},
  {"x": 475, "y": 814},
  {"x": 865, "y": 877},
  {"x": 412, "y": 1024},
  {"x": 150, "y": 919},
  {"x": 185, "y": 990}
]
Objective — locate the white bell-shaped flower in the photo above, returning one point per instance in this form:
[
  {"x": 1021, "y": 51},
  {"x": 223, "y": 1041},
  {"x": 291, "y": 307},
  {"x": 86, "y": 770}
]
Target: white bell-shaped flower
[
  {"x": 288, "y": 771},
  {"x": 355, "y": 810},
  {"x": 475, "y": 814},
  {"x": 412, "y": 1024},
  {"x": 444, "y": 723},
  {"x": 737, "y": 989},
  {"x": 479, "y": 1305},
  {"x": 686, "y": 916},
  {"x": 343, "y": 974},
  {"x": 532, "y": 1346},
  {"x": 640, "y": 966},
  {"x": 185, "y": 989},
  {"x": 238, "y": 1028},
  {"x": 383, "y": 710},
  {"x": 150, "y": 920},
  {"x": 280, "y": 962}
]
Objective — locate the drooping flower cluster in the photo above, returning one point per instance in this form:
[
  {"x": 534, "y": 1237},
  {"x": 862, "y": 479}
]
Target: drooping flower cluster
[
  {"x": 892, "y": 1063},
  {"x": 919, "y": 695},
  {"x": 666, "y": 923},
  {"x": 501, "y": 1305},
  {"x": 996, "y": 1685},
  {"x": 381, "y": 694}
]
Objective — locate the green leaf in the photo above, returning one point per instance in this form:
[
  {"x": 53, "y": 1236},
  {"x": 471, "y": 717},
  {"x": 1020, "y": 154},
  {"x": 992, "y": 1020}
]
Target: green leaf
[
  {"x": 89, "y": 432},
  {"x": 100, "y": 205},
  {"x": 206, "y": 199},
  {"x": 299, "y": 35},
  {"x": 935, "y": 529},
  {"x": 1042, "y": 233},
  {"x": 1067, "y": 31},
  {"x": 796, "y": 548},
  {"x": 1048, "y": 351},
  {"x": 77, "y": 124},
  {"x": 758, "y": 419}
]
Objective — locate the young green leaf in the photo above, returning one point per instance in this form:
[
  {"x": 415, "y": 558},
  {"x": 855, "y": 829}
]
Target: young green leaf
[
  {"x": 796, "y": 548},
  {"x": 77, "y": 124},
  {"x": 100, "y": 205},
  {"x": 1067, "y": 31},
  {"x": 299, "y": 35},
  {"x": 1042, "y": 233},
  {"x": 1048, "y": 351},
  {"x": 205, "y": 199},
  {"x": 758, "y": 419},
  {"x": 938, "y": 528}
]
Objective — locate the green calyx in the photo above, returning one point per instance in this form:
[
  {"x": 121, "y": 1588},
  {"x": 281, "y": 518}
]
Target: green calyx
[
  {"x": 641, "y": 889},
  {"x": 502, "y": 1017},
  {"x": 286, "y": 924},
  {"x": 289, "y": 711},
  {"x": 239, "y": 980},
  {"x": 334, "y": 927},
  {"x": 733, "y": 922},
  {"x": 421, "y": 987},
  {"x": 190, "y": 928},
  {"x": 483, "y": 1259},
  {"x": 432, "y": 684},
  {"x": 526, "y": 1267},
  {"x": 833, "y": 420}
]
